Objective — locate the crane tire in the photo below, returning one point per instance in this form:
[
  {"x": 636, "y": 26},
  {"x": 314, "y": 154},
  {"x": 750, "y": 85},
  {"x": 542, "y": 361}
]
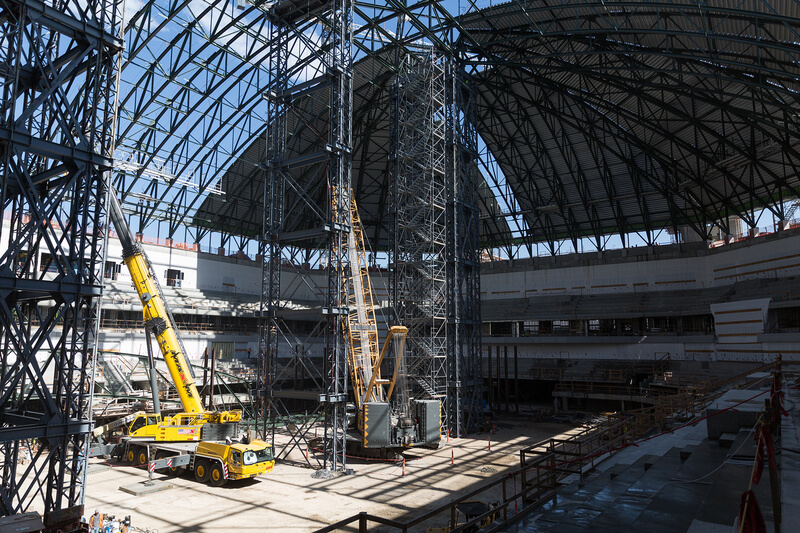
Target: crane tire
[
  {"x": 201, "y": 470},
  {"x": 141, "y": 455},
  {"x": 176, "y": 471},
  {"x": 162, "y": 455},
  {"x": 172, "y": 471},
  {"x": 129, "y": 457},
  {"x": 216, "y": 476}
]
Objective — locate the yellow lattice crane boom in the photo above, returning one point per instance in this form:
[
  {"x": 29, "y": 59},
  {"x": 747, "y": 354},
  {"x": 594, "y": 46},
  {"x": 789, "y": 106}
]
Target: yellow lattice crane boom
[{"x": 380, "y": 424}]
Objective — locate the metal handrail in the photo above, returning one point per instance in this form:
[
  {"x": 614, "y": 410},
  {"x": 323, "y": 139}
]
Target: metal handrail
[{"x": 562, "y": 457}]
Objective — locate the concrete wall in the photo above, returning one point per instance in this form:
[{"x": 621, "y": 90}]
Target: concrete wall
[
  {"x": 530, "y": 285},
  {"x": 201, "y": 270},
  {"x": 644, "y": 269},
  {"x": 210, "y": 272},
  {"x": 698, "y": 348},
  {"x": 133, "y": 342},
  {"x": 655, "y": 269}
]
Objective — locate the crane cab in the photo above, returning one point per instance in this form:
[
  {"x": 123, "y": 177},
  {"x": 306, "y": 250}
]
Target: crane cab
[
  {"x": 237, "y": 460},
  {"x": 144, "y": 426}
]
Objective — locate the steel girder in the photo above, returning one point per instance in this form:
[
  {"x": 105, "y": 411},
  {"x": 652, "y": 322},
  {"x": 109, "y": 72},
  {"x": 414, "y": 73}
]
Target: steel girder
[
  {"x": 612, "y": 118},
  {"x": 193, "y": 83},
  {"x": 598, "y": 118},
  {"x": 464, "y": 354},
  {"x": 647, "y": 98},
  {"x": 58, "y": 66},
  {"x": 193, "y": 78}
]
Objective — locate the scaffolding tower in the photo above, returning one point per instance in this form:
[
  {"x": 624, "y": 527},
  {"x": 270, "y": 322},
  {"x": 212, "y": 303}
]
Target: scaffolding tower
[
  {"x": 419, "y": 263},
  {"x": 465, "y": 378},
  {"x": 317, "y": 159},
  {"x": 58, "y": 68},
  {"x": 434, "y": 258}
]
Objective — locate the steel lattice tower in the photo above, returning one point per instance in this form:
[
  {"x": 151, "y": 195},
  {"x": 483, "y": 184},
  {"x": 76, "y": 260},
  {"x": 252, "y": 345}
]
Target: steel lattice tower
[
  {"x": 419, "y": 280},
  {"x": 58, "y": 65},
  {"x": 435, "y": 283},
  {"x": 269, "y": 245},
  {"x": 326, "y": 163},
  {"x": 463, "y": 262}
]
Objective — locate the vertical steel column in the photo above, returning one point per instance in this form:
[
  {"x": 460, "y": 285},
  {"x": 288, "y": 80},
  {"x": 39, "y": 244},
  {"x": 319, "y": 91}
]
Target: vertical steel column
[
  {"x": 324, "y": 29},
  {"x": 340, "y": 64},
  {"x": 516, "y": 380},
  {"x": 59, "y": 64},
  {"x": 270, "y": 244},
  {"x": 463, "y": 262}
]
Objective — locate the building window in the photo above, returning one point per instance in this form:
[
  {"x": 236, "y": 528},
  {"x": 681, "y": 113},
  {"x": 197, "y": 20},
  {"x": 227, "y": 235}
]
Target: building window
[
  {"x": 561, "y": 327},
  {"x": 174, "y": 277},
  {"x": 47, "y": 264},
  {"x": 530, "y": 327},
  {"x": 111, "y": 270}
]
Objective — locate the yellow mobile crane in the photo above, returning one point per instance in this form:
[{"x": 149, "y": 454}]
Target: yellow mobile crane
[
  {"x": 206, "y": 442},
  {"x": 386, "y": 416}
]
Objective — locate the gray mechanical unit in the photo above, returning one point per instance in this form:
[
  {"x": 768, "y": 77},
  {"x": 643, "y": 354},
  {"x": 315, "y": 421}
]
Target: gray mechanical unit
[
  {"x": 377, "y": 425},
  {"x": 429, "y": 420}
]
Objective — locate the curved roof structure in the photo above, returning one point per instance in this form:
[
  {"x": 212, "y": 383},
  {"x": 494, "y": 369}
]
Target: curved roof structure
[
  {"x": 612, "y": 117},
  {"x": 597, "y": 117}
]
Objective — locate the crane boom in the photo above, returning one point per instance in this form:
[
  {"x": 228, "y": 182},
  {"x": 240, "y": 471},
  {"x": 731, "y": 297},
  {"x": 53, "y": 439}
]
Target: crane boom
[
  {"x": 404, "y": 422},
  {"x": 203, "y": 441},
  {"x": 156, "y": 313},
  {"x": 365, "y": 366}
]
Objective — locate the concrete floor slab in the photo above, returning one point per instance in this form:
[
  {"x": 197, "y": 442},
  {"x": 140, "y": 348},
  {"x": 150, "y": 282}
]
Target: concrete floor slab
[
  {"x": 147, "y": 487},
  {"x": 734, "y": 410},
  {"x": 790, "y": 453},
  {"x": 721, "y": 505},
  {"x": 97, "y": 468},
  {"x": 680, "y": 497},
  {"x": 289, "y": 499},
  {"x": 698, "y": 526},
  {"x": 676, "y": 494}
]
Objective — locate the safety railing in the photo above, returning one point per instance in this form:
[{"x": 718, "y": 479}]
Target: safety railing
[
  {"x": 543, "y": 464},
  {"x": 615, "y": 389},
  {"x": 117, "y": 324},
  {"x": 543, "y": 373},
  {"x": 521, "y": 491},
  {"x": 584, "y": 450}
]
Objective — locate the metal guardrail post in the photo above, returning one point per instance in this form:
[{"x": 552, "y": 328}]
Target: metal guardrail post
[
  {"x": 773, "y": 419},
  {"x": 505, "y": 499},
  {"x": 524, "y": 484}
]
